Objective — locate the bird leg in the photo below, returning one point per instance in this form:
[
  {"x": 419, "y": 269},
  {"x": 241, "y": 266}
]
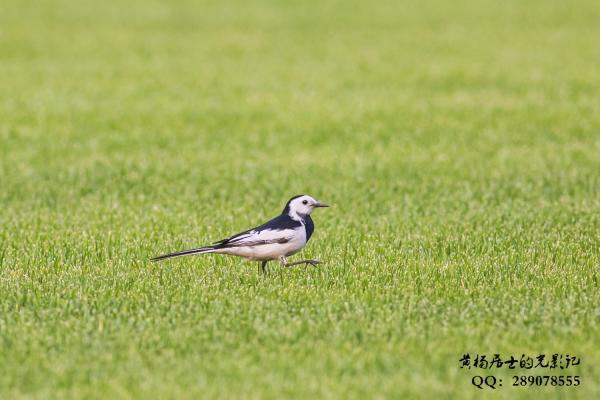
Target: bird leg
[
  {"x": 263, "y": 267},
  {"x": 305, "y": 262}
]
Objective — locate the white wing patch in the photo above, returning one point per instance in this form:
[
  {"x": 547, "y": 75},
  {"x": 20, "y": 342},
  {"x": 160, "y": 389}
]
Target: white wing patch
[
  {"x": 267, "y": 244},
  {"x": 257, "y": 238}
]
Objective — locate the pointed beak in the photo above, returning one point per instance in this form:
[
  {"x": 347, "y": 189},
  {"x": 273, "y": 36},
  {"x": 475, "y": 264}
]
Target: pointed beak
[{"x": 319, "y": 204}]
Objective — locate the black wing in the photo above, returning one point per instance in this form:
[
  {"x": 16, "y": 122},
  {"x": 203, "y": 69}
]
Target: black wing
[{"x": 280, "y": 223}]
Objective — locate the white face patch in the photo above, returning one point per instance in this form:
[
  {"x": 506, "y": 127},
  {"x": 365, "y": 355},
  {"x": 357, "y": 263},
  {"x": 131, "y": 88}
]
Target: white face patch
[{"x": 302, "y": 205}]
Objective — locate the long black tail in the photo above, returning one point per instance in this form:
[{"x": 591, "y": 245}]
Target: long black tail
[{"x": 200, "y": 250}]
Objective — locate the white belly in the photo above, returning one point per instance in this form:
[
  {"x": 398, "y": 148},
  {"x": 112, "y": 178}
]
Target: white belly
[{"x": 267, "y": 252}]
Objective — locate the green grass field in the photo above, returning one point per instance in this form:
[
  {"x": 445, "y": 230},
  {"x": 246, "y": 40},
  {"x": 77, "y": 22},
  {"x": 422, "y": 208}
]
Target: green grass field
[{"x": 458, "y": 141}]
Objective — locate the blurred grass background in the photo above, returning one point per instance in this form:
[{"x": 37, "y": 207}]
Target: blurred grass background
[{"x": 458, "y": 141}]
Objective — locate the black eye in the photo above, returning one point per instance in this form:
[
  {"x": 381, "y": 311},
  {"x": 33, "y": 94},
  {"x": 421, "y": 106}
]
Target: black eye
[{"x": 305, "y": 202}]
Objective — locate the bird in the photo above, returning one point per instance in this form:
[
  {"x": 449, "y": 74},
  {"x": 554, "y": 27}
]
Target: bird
[{"x": 281, "y": 237}]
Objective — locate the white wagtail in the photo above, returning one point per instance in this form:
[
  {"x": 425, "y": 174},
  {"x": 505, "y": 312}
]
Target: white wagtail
[{"x": 278, "y": 238}]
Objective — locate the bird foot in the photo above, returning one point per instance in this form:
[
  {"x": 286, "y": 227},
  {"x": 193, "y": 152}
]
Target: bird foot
[{"x": 305, "y": 262}]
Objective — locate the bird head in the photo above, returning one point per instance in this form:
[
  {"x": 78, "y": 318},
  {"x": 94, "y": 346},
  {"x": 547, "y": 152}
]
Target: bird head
[{"x": 301, "y": 205}]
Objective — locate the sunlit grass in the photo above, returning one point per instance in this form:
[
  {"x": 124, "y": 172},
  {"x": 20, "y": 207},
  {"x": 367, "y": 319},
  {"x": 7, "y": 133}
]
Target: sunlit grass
[{"x": 458, "y": 142}]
